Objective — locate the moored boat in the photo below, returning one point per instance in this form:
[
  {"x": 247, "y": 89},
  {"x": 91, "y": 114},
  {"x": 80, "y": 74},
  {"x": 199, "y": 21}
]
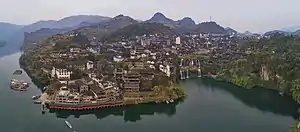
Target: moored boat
[
  {"x": 43, "y": 107},
  {"x": 68, "y": 124},
  {"x": 36, "y": 97},
  {"x": 37, "y": 102},
  {"x": 18, "y": 72}
]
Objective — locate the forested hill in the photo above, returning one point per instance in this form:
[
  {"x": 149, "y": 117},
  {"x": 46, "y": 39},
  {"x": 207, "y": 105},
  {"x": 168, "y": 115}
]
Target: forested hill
[
  {"x": 272, "y": 63},
  {"x": 140, "y": 29}
]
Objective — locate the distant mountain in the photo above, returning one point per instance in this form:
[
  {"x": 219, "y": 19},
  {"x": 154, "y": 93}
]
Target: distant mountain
[
  {"x": 7, "y": 29},
  {"x": 186, "y": 22},
  {"x": 276, "y": 32},
  {"x": 140, "y": 29},
  {"x": 231, "y": 31},
  {"x": 296, "y": 33},
  {"x": 107, "y": 26},
  {"x": 291, "y": 29},
  {"x": 186, "y": 25},
  {"x": 31, "y": 33},
  {"x": 71, "y": 21},
  {"x": 210, "y": 27},
  {"x": 161, "y": 18}
]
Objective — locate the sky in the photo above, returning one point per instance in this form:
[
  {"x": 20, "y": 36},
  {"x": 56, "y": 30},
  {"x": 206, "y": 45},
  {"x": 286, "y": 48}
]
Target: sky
[{"x": 242, "y": 15}]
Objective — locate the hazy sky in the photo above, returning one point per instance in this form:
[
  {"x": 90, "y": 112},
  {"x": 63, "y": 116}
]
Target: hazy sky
[{"x": 242, "y": 15}]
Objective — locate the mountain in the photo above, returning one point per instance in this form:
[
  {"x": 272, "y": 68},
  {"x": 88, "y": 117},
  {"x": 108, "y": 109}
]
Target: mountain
[
  {"x": 71, "y": 21},
  {"x": 186, "y": 25},
  {"x": 210, "y": 27},
  {"x": 161, "y": 18},
  {"x": 30, "y": 34},
  {"x": 276, "y": 32},
  {"x": 291, "y": 29},
  {"x": 106, "y": 27},
  {"x": 296, "y": 33},
  {"x": 7, "y": 29},
  {"x": 140, "y": 29},
  {"x": 186, "y": 22},
  {"x": 68, "y": 23},
  {"x": 231, "y": 31}
]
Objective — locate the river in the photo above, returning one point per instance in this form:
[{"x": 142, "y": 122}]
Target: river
[{"x": 209, "y": 107}]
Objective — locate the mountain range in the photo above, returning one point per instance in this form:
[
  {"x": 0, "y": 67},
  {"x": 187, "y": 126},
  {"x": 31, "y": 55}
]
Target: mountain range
[{"x": 93, "y": 25}]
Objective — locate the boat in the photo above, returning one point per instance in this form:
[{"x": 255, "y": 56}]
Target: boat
[
  {"x": 172, "y": 101},
  {"x": 37, "y": 102},
  {"x": 167, "y": 102},
  {"x": 281, "y": 93},
  {"x": 18, "y": 85},
  {"x": 36, "y": 97},
  {"x": 18, "y": 72},
  {"x": 68, "y": 124},
  {"x": 43, "y": 107},
  {"x": 44, "y": 89}
]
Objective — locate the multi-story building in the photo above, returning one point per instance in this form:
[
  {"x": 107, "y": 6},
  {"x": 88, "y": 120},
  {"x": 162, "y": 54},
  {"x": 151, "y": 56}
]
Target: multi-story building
[{"x": 132, "y": 82}]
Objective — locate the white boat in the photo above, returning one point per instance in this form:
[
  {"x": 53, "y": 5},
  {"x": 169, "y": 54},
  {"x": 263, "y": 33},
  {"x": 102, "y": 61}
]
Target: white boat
[
  {"x": 44, "y": 89},
  {"x": 172, "y": 101},
  {"x": 43, "y": 107},
  {"x": 37, "y": 102},
  {"x": 167, "y": 102},
  {"x": 68, "y": 124},
  {"x": 36, "y": 97}
]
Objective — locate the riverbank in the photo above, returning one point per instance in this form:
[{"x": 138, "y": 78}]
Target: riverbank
[
  {"x": 160, "y": 95},
  {"x": 41, "y": 80}
]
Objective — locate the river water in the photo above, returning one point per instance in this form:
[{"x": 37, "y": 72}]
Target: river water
[{"x": 209, "y": 107}]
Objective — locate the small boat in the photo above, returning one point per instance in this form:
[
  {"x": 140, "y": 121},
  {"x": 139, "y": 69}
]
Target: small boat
[
  {"x": 44, "y": 89},
  {"x": 36, "y": 97},
  {"x": 18, "y": 72},
  {"x": 68, "y": 124},
  {"x": 281, "y": 93},
  {"x": 167, "y": 102},
  {"x": 172, "y": 101},
  {"x": 43, "y": 107},
  {"x": 37, "y": 102}
]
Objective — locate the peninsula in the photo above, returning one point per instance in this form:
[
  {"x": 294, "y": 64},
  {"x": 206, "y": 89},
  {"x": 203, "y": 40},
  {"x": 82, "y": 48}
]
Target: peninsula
[
  {"x": 85, "y": 74},
  {"x": 122, "y": 61}
]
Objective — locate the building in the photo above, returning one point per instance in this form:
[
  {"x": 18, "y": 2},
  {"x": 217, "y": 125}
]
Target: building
[
  {"x": 166, "y": 69},
  {"x": 89, "y": 65},
  {"x": 61, "y": 73},
  {"x": 132, "y": 82},
  {"x": 177, "y": 41}
]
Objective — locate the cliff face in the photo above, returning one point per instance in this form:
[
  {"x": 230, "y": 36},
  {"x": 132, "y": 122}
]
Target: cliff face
[{"x": 264, "y": 73}]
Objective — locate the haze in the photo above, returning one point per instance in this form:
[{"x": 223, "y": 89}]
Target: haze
[{"x": 242, "y": 15}]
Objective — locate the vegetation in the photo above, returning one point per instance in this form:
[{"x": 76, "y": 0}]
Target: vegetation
[
  {"x": 272, "y": 63},
  {"x": 139, "y": 29}
]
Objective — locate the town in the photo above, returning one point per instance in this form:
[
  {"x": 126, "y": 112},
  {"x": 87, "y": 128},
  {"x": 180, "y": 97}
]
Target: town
[{"x": 85, "y": 73}]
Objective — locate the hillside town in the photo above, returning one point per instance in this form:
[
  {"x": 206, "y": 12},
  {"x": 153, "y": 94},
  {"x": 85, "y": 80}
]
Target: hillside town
[{"x": 130, "y": 71}]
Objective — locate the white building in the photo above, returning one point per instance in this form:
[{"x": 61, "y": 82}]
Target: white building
[
  {"x": 89, "y": 65},
  {"x": 166, "y": 69},
  {"x": 61, "y": 73},
  {"x": 177, "y": 41}
]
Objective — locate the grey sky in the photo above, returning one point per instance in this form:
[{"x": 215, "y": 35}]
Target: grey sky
[{"x": 242, "y": 15}]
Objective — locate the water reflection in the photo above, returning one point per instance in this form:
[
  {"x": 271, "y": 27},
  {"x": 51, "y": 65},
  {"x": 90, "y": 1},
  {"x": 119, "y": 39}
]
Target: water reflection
[
  {"x": 263, "y": 99},
  {"x": 131, "y": 113}
]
